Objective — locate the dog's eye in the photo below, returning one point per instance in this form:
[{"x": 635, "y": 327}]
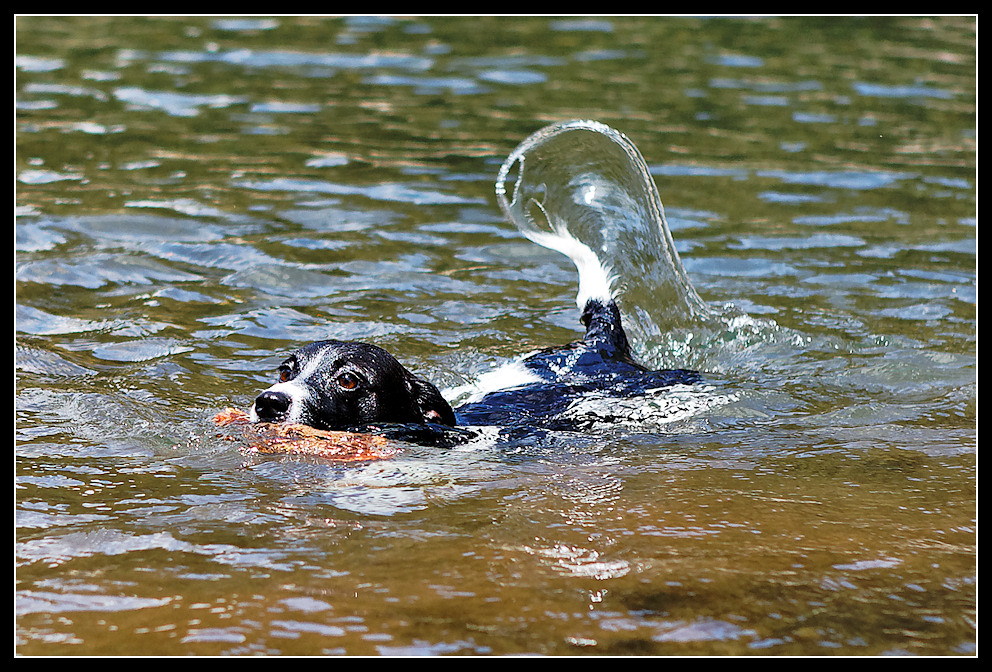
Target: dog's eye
[
  {"x": 286, "y": 370},
  {"x": 348, "y": 381}
]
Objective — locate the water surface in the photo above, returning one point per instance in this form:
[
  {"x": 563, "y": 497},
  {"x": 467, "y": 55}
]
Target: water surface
[{"x": 196, "y": 196}]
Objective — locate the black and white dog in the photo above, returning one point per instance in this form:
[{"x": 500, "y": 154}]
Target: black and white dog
[
  {"x": 345, "y": 385},
  {"x": 341, "y": 385}
]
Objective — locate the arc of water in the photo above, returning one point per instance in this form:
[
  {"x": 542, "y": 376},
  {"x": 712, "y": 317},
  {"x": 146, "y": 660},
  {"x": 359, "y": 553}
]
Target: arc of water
[{"x": 583, "y": 189}]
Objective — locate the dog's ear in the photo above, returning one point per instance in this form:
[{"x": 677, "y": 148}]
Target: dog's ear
[{"x": 432, "y": 406}]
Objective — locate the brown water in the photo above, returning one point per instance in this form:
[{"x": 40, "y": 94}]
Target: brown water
[{"x": 197, "y": 196}]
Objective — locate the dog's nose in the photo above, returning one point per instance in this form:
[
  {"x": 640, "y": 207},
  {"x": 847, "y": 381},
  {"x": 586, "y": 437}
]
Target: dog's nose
[{"x": 272, "y": 406}]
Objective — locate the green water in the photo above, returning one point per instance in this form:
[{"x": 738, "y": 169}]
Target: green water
[{"x": 197, "y": 196}]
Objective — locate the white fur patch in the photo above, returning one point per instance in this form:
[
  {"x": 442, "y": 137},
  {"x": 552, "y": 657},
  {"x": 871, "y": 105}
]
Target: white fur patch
[
  {"x": 506, "y": 377},
  {"x": 595, "y": 279}
]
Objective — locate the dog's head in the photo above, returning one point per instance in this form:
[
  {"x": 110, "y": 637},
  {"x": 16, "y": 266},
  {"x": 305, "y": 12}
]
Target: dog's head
[{"x": 338, "y": 384}]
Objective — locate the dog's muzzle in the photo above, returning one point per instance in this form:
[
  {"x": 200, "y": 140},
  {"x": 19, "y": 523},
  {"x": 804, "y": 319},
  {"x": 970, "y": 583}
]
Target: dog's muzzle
[{"x": 272, "y": 406}]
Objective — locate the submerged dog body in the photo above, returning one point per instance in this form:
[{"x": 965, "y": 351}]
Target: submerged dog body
[{"x": 539, "y": 389}]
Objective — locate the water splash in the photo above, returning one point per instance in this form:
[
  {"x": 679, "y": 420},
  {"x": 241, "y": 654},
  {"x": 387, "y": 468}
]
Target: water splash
[{"x": 583, "y": 189}]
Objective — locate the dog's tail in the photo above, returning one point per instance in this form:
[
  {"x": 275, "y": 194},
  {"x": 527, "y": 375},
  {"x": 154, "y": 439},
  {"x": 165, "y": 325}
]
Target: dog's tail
[
  {"x": 596, "y": 297},
  {"x": 596, "y": 279},
  {"x": 583, "y": 189}
]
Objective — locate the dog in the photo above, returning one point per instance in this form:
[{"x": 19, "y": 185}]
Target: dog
[
  {"x": 352, "y": 386},
  {"x": 338, "y": 385}
]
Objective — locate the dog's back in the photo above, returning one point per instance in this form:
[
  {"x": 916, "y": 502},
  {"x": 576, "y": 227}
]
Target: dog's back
[{"x": 540, "y": 388}]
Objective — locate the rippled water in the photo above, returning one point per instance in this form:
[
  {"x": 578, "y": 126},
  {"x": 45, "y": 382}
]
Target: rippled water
[{"x": 197, "y": 196}]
